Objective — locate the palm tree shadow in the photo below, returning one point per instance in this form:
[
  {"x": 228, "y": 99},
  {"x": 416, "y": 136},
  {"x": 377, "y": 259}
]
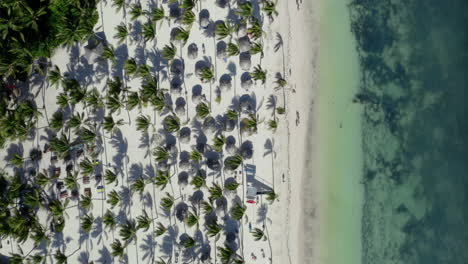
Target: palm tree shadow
[
  {"x": 279, "y": 42},
  {"x": 145, "y": 143},
  {"x": 126, "y": 198},
  {"x": 120, "y": 143},
  {"x": 97, "y": 230},
  {"x": 83, "y": 257},
  {"x": 269, "y": 147},
  {"x": 105, "y": 256},
  {"x": 121, "y": 55},
  {"x": 271, "y": 102},
  {"x": 169, "y": 241},
  {"x": 148, "y": 247},
  {"x": 262, "y": 213}
]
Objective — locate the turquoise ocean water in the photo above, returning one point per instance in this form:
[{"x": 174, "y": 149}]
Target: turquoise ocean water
[{"x": 414, "y": 63}]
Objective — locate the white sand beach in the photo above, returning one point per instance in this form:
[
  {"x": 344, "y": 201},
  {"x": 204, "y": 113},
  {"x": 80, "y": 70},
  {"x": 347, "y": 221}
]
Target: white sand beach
[{"x": 280, "y": 160}]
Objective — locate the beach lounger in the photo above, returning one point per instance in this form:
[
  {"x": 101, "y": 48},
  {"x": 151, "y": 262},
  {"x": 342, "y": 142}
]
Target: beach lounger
[{"x": 100, "y": 189}]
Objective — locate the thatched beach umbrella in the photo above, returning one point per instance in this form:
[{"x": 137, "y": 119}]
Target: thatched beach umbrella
[
  {"x": 244, "y": 44},
  {"x": 199, "y": 66},
  {"x": 204, "y": 17},
  {"x": 231, "y": 145},
  {"x": 180, "y": 106},
  {"x": 245, "y": 61},
  {"x": 222, "y": 3},
  {"x": 184, "y": 135},
  {"x": 209, "y": 126},
  {"x": 225, "y": 82},
  {"x": 177, "y": 67},
  {"x": 229, "y": 124},
  {"x": 176, "y": 86},
  {"x": 192, "y": 51},
  {"x": 246, "y": 81},
  {"x": 221, "y": 52}
]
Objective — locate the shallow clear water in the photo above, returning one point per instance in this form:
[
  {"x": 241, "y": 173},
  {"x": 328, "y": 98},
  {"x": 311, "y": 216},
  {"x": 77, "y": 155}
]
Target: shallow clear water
[{"x": 414, "y": 64}]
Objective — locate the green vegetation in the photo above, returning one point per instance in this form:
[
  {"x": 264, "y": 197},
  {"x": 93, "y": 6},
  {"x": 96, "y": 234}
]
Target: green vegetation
[{"x": 33, "y": 29}]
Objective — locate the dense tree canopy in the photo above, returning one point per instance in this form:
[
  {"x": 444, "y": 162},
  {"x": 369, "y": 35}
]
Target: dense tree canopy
[{"x": 32, "y": 29}]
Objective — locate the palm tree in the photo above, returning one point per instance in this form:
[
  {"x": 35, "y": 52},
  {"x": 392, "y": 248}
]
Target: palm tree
[
  {"x": 161, "y": 179},
  {"x": 182, "y": 35},
  {"x": 113, "y": 198},
  {"x": 231, "y": 186},
  {"x": 216, "y": 192},
  {"x": 115, "y": 86},
  {"x": 94, "y": 99},
  {"x": 225, "y": 254},
  {"x": 258, "y": 234},
  {"x": 143, "y": 122},
  {"x": 71, "y": 181},
  {"x": 110, "y": 125},
  {"x": 198, "y": 181},
  {"x": 223, "y": 30},
  {"x": 60, "y": 145},
  {"x": 56, "y": 123},
  {"x": 62, "y": 100},
  {"x": 207, "y": 74},
  {"x": 192, "y": 219},
  {"x": 138, "y": 186},
  {"x": 131, "y": 67},
  {"x": 17, "y": 161},
  {"x": 187, "y": 4},
  {"x": 16, "y": 259},
  {"x": 109, "y": 219},
  {"x": 269, "y": 7},
  {"x": 158, "y": 102},
  {"x": 87, "y": 166},
  {"x": 273, "y": 125},
  {"x": 167, "y": 202},
  {"x": 255, "y": 48},
  {"x": 133, "y": 100},
  {"x": 57, "y": 208},
  {"x": 86, "y": 202},
  {"x": 55, "y": 76},
  {"x": 188, "y": 242},
  {"x": 232, "y": 114},
  {"x": 232, "y": 49},
  {"x": 272, "y": 196},
  {"x": 171, "y": 123},
  {"x": 219, "y": 142},
  {"x": 113, "y": 103},
  {"x": 38, "y": 258},
  {"x": 117, "y": 249},
  {"x": 149, "y": 31},
  {"x": 195, "y": 156},
  {"x": 213, "y": 229},
  {"x": 259, "y": 74},
  {"x": 87, "y": 135},
  {"x": 169, "y": 52},
  {"x": 87, "y": 223},
  {"x": 188, "y": 17},
  {"x": 160, "y": 230},
  {"x": 135, "y": 11},
  {"x": 110, "y": 176},
  {"x": 59, "y": 257},
  {"x": 233, "y": 162},
  {"x": 203, "y": 110},
  {"x": 39, "y": 235},
  {"x": 251, "y": 123},
  {"x": 161, "y": 154},
  {"x": 157, "y": 14},
  {"x": 109, "y": 53},
  {"x": 245, "y": 10},
  {"x": 237, "y": 211},
  {"x": 119, "y": 4},
  {"x": 128, "y": 231},
  {"x": 144, "y": 221},
  {"x": 122, "y": 33},
  {"x": 76, "y": 121},
  {"x": 207, "y": 207},
  {"x": 255, "y": 29}
]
